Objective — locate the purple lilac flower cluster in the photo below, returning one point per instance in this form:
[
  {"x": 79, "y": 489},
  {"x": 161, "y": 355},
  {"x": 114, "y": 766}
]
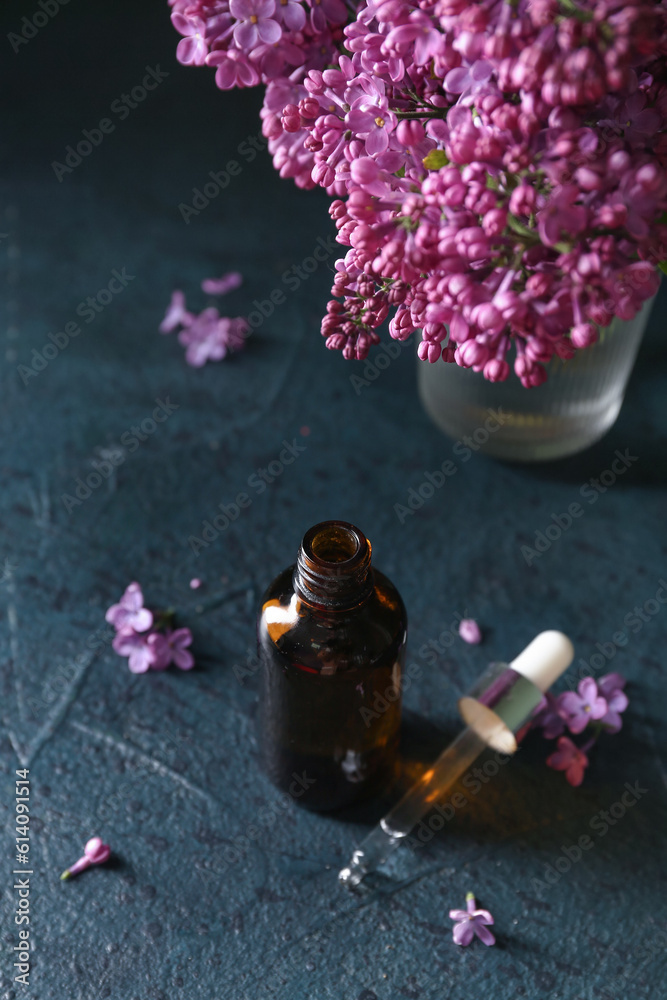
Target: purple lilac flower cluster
[
  {"x": 207, "y": 336},
  {"x": 143, "y": 638},
  {"x": 595, "y": 707},
  {"x": 504, "y": 162}
]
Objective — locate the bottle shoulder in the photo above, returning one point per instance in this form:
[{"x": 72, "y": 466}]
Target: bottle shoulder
[{"x": 316, "y": 639}]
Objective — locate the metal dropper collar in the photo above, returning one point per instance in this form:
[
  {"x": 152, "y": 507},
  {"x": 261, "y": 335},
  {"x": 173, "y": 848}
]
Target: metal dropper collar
[{"x": 502, "y": 700}]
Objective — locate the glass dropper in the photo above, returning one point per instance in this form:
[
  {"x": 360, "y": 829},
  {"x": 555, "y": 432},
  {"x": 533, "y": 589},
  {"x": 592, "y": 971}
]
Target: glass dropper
[{"x": 497, "y": 707}]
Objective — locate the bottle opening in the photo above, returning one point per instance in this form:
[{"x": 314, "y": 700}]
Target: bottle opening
[
  {"x": 334, "y": 543},
  {"x": 333, "y": 567}
]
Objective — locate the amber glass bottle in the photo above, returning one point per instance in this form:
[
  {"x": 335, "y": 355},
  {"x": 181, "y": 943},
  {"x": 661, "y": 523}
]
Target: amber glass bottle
[{"x": 331, "y": 636}]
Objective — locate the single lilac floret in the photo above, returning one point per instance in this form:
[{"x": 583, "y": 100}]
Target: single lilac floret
[
  {"x": 471, "y": 922},
  {"x": 171, "y": 648},
  {"x": 141, "y": 656},
  {"x": 130, "y": 613},
  {"x": 569, "y": 758},
  {"x": 611, "y": 688},
  {"x": 94, "y": 853},
  {"x": 582, "y": 706}
]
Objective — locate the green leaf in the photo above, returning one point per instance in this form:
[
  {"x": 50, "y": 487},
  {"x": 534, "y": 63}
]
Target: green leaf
[
  {"x": 519, "y": 227},
  {"x": 663, "y": 266},
  {"x": 436, "y": 159}
]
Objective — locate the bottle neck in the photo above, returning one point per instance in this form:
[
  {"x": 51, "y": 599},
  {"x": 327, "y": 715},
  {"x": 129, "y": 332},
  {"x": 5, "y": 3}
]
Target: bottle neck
[{"x": 333, "y": 568}]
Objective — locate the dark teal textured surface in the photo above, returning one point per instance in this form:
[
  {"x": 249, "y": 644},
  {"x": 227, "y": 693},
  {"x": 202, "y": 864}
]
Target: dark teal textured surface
[{"x": 164, "y": 766}]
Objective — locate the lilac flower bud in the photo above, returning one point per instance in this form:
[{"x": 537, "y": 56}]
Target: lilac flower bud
[
  {"x": 523, "y": 200},
  {"x": 537, "y": 377},
  {"x": 523, "y": 366},
  {"x": 291, "y": 119},
  {"x": 309, "y": 107},
  {"x": 471, "y": 353},
  {"x": 538, "y": 349},
  {"x": 470, "y": 631},
  {"x": 428, "y": 351},
  {"x": 588, "y": 179},
  {"x": 410, "y": 133},
  {"x": 539, "y": 284},
  {"x": 336, "y": 341},
  {"x": 589, "y": 264},
  {"x": 619, "y": 162},
  {"x": 496, "y": 370},
  {"x": 494, "y": 221},
  {"x": 487, "y": 317},
  {"x": 611, "y": 216},
  {"x": 583, "y": 334}
]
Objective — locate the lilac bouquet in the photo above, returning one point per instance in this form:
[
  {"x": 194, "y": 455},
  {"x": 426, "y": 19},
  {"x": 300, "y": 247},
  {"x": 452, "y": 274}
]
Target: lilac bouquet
[{"x": 498, "y": 167}]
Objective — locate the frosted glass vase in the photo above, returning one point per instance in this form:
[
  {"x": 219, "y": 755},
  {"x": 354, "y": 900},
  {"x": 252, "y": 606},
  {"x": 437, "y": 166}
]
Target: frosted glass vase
[{"x": 575, "y": 407}]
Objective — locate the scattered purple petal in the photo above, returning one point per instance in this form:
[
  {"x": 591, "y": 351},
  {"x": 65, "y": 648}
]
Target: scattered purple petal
[
  {"x": 569, "y": 758},
  {"x": 176, "y": 314},
  {"x": 471, "y": 922},
  {"x": 470, "y": 631},
  {"x": 195, "y": 583},
  {"x": 583, "y": 705},
  {"x": 211, "y": 337},
  {"x": 130, "y": 612},
  {"x": 148, "y": 650},
  {"x": 207, "y": 336},
  {"x": 220, "y": 286},
  {"x": 611, "y": 688},
  {"x": 94, "y": 853},
  {"x": 136, "y": 647}
]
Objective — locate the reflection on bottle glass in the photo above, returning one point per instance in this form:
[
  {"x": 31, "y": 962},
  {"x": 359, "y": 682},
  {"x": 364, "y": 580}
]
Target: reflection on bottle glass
[{"x": 331, "y": 635}]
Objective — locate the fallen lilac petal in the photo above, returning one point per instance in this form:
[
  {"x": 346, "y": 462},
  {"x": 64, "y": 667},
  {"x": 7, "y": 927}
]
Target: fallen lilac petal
[
  {"x": 176, "y": 314},
  {"x": 94, "y": 853},
  {"x": 471, "y": 922},
  {"x": 470, "y": 631},
  {"x": 220, "y": 286},
  {"x": 569, "y": 758},
  {"x": 130, "y": 613}
]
